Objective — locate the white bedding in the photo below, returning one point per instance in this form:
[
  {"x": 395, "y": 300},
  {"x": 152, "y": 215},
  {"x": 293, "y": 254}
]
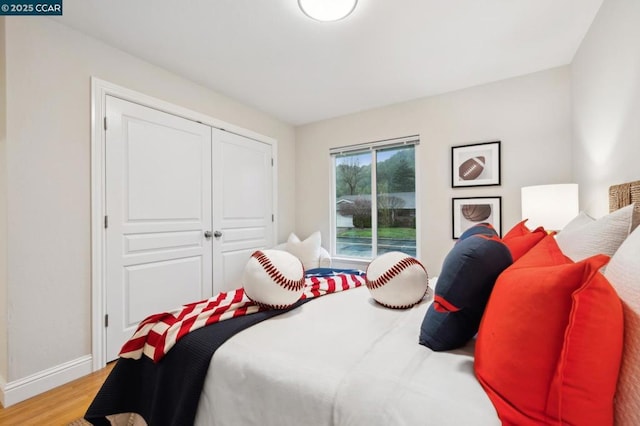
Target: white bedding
[{"x": 341, "y": 360}]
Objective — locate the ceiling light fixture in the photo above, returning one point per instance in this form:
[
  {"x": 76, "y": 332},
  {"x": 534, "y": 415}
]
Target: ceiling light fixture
[{"x": 327, "y": 10}]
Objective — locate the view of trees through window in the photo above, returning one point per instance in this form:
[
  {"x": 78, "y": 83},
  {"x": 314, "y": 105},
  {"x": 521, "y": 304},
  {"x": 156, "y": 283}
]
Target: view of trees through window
[{"x": 390, "y": 205}]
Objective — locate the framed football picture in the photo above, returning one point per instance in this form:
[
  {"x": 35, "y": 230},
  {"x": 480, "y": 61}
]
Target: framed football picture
[
  {"x": 475, "y": 165},
  {"x": 473, "y": 210}
]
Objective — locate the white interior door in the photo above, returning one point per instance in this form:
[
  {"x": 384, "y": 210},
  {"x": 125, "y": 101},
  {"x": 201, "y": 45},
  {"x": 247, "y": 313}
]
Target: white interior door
[
  {"x": 158, "y": 207},
  {"x": 242, "y": 204}
]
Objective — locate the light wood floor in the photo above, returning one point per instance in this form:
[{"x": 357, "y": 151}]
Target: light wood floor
[{"x": 59, "y": 406}]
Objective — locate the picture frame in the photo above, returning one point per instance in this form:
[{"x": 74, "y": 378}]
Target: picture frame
[
  {"x": 475, "y": 165},
  {"x": 469, "y": 211}
]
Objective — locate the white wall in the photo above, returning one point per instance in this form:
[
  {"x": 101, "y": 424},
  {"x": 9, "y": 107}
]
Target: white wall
[
  {"x": 530, "y": 115},
  {"x": 605, "y": 77},
  {"x": 48, "y": 174}
]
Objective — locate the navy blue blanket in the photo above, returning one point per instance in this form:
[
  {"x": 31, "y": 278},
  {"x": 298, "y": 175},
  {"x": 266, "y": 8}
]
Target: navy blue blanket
[{"x": 167, "y": 392}]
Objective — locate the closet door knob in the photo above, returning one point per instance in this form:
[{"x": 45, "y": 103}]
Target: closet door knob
[
  {"x": 208, "y": 235},
  {"x": 217, "y": 234}
]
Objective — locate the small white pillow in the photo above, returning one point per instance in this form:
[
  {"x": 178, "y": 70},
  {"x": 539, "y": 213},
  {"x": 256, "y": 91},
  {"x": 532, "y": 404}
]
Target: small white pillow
[
  {"x": 578, "y": 221},
  {"x": 623, "y": 272},
  {"x": 602, "y": 236},
  {"x": 308, "y": 251}
]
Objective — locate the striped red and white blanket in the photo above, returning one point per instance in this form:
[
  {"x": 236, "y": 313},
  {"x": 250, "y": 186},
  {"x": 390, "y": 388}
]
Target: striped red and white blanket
[{"x": 158, "y": 333}]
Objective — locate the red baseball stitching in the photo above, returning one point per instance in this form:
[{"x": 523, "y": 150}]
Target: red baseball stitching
[
  {"x": 392, "y": 272},
  {"x": 269, "y": 306},
  {"x": 276, "y": 275},
  {"x": 407, "y": 306}
]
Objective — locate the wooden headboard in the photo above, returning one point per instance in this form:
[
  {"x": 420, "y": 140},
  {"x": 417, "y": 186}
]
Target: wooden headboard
[{"x": 623, "y": 195}]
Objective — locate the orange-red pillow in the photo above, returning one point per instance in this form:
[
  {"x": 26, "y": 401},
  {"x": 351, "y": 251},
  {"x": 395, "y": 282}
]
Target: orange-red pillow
[
  {"x": 520, "y": 239},
  {"x": 549, "y": 346},
  {"x": 544, "y": 253},
  {"x": 518, "y": 230}
]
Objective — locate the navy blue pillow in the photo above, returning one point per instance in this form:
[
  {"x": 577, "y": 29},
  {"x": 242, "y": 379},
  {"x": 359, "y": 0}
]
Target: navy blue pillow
[
  {"x": 468, "y": 274},
  {"x": 481, "y": 228}
]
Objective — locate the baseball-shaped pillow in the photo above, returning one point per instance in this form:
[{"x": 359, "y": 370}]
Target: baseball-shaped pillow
[
  {"x": 397, "y": 280},
  {"x": 273, "y": 279}
]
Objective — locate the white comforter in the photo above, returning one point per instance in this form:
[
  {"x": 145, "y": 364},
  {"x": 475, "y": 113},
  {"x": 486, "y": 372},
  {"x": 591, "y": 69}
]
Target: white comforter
[{"x": 341, "y": 360}]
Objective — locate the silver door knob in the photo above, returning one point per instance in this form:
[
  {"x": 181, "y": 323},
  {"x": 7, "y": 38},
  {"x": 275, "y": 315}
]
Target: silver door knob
[
  {"x": 217, "y": 234},
  {"x": 208, "y": 235}
]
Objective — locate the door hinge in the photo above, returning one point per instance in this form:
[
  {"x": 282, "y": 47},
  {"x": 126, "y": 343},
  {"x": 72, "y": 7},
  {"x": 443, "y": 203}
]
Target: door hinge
[
  {"x": 273, "y": 218},
  {"x": 106, "y": 320},
  {"x": 105, "y": 123},
  {"x": 106, "y": 222},
  {"x": 271, "y": 162}
]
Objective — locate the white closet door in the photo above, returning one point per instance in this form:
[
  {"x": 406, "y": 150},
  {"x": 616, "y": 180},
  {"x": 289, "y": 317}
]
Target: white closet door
[
  {"x": 158, "y": 203},
  {"x": 242, "y": 205}
]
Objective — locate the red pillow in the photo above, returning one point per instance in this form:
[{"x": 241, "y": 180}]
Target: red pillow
[
  {"x": 520, "y": 239},
  {"x": 544, "y": 253},
  {"x": 518, "y": 230},
  {"x": 550, "y": 342}
]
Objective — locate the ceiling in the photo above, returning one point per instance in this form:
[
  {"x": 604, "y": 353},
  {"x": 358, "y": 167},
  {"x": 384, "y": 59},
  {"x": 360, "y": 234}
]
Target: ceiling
[{"x": 269, "y": 55}]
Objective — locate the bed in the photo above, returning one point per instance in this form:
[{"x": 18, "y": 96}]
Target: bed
[
  {"x": 326, "y": 370},
  {"x": 343, "y": 359}
]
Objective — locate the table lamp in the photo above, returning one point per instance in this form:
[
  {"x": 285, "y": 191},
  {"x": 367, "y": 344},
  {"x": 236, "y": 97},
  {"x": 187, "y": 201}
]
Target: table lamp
[{"x": 550, "y": 206}]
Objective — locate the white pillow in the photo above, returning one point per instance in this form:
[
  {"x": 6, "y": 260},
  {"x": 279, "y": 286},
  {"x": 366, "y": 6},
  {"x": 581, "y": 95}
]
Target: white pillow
[
  {"x": 308, "y": 251},
  {"x": 623, "y": 272},
  {"x": 602, "y": 236},
  {"x": 578, "y": 221}
]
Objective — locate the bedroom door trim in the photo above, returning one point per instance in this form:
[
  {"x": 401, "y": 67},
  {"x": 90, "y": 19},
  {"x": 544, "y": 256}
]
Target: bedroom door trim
[{"x": 100, "y": 89}]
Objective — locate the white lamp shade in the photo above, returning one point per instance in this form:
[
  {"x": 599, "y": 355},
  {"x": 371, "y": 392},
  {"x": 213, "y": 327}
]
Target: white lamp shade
[
  {"x": 327, "y": 10},
  {"x": 550, "y": 206}
]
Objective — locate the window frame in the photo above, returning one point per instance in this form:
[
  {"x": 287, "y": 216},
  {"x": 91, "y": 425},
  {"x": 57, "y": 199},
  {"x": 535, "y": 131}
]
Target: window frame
[{"x": 372, "y": 147}]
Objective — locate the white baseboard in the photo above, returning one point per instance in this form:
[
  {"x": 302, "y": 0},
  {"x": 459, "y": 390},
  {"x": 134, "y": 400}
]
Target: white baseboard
[{"x": 35, "y": 384}]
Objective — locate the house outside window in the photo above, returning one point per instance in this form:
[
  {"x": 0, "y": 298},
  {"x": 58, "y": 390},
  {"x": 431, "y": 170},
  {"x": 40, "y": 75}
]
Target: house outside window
[{"x": 374, "y": 194}]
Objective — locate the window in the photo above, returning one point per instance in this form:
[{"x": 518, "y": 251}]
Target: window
[{"x": 374, "y": 193}]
